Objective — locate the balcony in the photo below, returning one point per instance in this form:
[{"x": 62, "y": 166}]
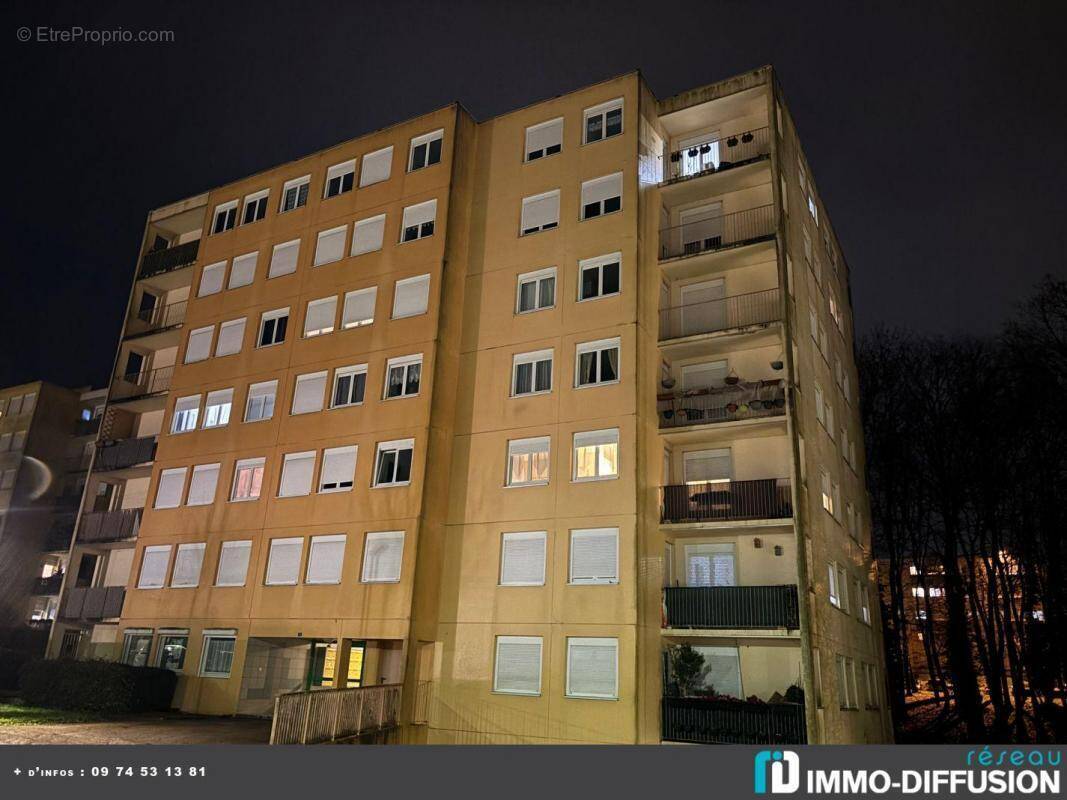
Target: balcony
[
  {"x": 731, "y": 403},
  {"x": 50, "y": 585},
  {"x": 125, "y": 453},
  {"x": 731, "y": 607},
  {"x": 717, "y": 232},
  {"x": 93, "y": 603},
  {"x": 109, "y": 526},
  {"x": 717, "y": 155},
  {"x": 726, "y": 501},
  {"x": 168, "y": 260},
  {"x": 157, "y": 327},
  {"x": 716, "y": 721},
  {"x": 145, "y": 383},
  {"x": 713, "y": 316}
]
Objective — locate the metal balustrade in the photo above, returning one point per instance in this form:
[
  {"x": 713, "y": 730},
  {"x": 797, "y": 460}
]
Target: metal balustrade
[
  {"x": 139, "y": 384},
  {"x": 125, "y": 453},
  {"x": 727, "y": 500},
  {"x": 160, "y": 261},
  {"x": 161, "y": 316},
  {"x": 326, "y": 715},
  {"x": 734, "y": 607},
  {"x": 93, "y": 602},
  {"x": 714, "y": 721},
  {"x": 718, "y": 154},
  {"x": 109, "y": 526},
  {"x": 743, "y": 400},
  {"x": 723, "y": 314},
  {"x": 717, "y": 232}
]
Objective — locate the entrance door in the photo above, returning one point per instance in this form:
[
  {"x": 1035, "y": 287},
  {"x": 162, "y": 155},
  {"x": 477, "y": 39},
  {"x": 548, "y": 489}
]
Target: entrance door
[
  {"x": 703, "y": 307},
  {"x": 710, "y": 565},
  {"x": 702, "y": 228}
]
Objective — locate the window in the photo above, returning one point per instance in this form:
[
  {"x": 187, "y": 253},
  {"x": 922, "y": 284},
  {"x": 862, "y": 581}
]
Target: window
[
  {"x": 255, "y": 207},
  {"x": 7, "y": 479},
  {"x": 171, "y": 651},
  {"x": 320, "y": 317},
  {"x": 198, "y": 348},
  {"x": 517, "y": 666},
  {"x": 217, "y": 408},
  {"x": 402, "y": 376},
  {"x": 808, "y": 256},
  {"x": 813, "y": 209},
  {"x": 260, "y": 401},
  {"x": 864, "y": 602},
  {"x": 846, "y": 683},
  {"x": 602, "y": 196},
  {"x": 596, "y": 455},
  {"x": 603, "y": 121},
  {"x": 297, "y": 472},
  {"x": 597, "y": 363},
  {"x": 425, "y": 150},
  {"x": 295, "y": 194},
  {"x": 829, "y": 419},
  {"x": 186, "y": 412},
  {"x": 383, "y": 553},
  {"x": 18, "y": 440},
  {"x": 283, "y": 563},
  {"x": 531, "y": 373},
  {"x": 836, "y": 500},
  {"x": 154, "y": 561},
  {"x": 218, "y": 656},
  {"x": 243, "y": 271},
  {"x": 233, "y": 563},
  {"x": 827, "y": 492},
  {"x": 231, "y": 336},
  {"x": 202, "y": 485},
  {"x": 170, "y": 487},
  {"x": 820, "y": 405},
  {"x": 522, "y": 558},
  {"x": 283, "y": 259},
  {"x": 338, "y": 469},
  {"x": 593, "y": 667},
  {"x": 418, "y": 221},
  {"x": 842, "y": 588},
  {"x": 598, "y": 277},
  {"x": 135, "y": 647},
  {"x": 539, "y": 212},
  {"x": 594, "y": 556},
  {"x": 211, "y": 279},
  {"x": 870, "y": 674},
  {"x": 411, "y": 296},
  {"x": 544, "y": 139},
  {"x": 392, "y": 467},
  {"x": 339, "y": 178},
  {"x": 225, "y": 217},
  {"x": 368, "y": 234},
  {"x": 307, "y": 395},
  {"x": 537, "y": 291},
  {"x": 376, "y": 166},
  {"x": 832, "y": 587},
  {"x": 358, "y": 309},
  {"x": 349, "y": 385},
  {"x": 247, "y": 479},
  {"x": 187, "y": 563},
  {"x": 272, "y": 327},
  {"x": 325, "y": 559},
  {"x": 330, "y": 245}
]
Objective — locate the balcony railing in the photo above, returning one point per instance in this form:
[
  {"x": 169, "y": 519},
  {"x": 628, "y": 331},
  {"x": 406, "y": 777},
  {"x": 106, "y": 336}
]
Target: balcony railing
[
  {"x": 161, "y": 316},
  {"x": 125, "y": 453},
  {"x": 743, "y": 400},
  {"x": 717, "y": 232},
  {"x": 139, "y": 384},
  {"x": 50, "y": 585},
  {"x": 710, "y": 316},
  {"x": 327, "y": 715},
  {"x": 96, "y": 602},
  {"x": 705, "y": 721},
  {"x": 716, "y": 155},
  {"x": 734, "y": 607},
  {"x": 160, "y": 261},
  {"x": 109, "y": 526},
  {"x": 727, "y": 500}
]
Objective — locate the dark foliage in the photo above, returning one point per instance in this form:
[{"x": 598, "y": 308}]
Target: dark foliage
[{"x": 98, "y": 686}]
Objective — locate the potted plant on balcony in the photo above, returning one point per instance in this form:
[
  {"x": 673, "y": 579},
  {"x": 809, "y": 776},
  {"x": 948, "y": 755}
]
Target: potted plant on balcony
[
  {"x": 687, "y": 668},
  {"x": 747, "y": 137},
  {"x": 732, "y": 379}
]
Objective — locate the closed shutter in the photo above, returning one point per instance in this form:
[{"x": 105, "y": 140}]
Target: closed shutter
[
  {"x": 595, "y": 555},
  {"x": 202, "y": 485},
  {"x": 539, "y": 211},
  {"x": 418, "y": 215},
  {"x": 154, "y": 567},
  {"x": 376, "y": 166},
  {"x": 320, "y": 316},
  {"x": 231, "y": 336},
  {"x": 544, "y": 139},
  {"x": 601, "y": 189},
  {"x": 330, "y": 245},
  {"x": 169, "y": 491},
  {"x": 187, "y": 565},
  {"x": 704, "y": 376},
  {"x": 211, "y": 279},
  {"x": 368, "y": 234},
  {"x": 283, "y": 565},
  {"x": 723, "y": 670},
  {"x": 592, "y": 667},
  {"x": 297, "y": 471},
  {"x": 283, "y": 260},
  {"x": 359, "y": 308},
  {"x": 307, "y": 396},
  {"x": 233, "y": 563},
  {"x": 522, "y": 559},
  {"x": 411, "y": 297},
  {"x": 199, "y": 346},
  {"x": 243, "y": 271},
  {"x": 708, "y": 465},
  {"x": 518, "y": 665},
  {"x": 382, "y": 556},
  {"x": 338, "y": 468},
  {"x": 325, "y": 559}
]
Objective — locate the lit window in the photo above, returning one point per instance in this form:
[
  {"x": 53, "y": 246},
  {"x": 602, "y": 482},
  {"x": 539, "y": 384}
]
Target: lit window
[
  {"x": 247, "y": 479},
  {"x": 528, "y": 461},
  {"x": 596, "y": 455},
  {"x": 186, "y": 413},
  {"x": 217, "y": 408}
]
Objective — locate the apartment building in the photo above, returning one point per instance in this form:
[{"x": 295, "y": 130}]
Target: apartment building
[{"x": 549, "y": 418}]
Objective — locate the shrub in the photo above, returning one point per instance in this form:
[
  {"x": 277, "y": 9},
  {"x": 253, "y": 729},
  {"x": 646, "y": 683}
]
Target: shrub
[
  {"x": 103, "y": 687},
  {"x": 11, "y": 662}
]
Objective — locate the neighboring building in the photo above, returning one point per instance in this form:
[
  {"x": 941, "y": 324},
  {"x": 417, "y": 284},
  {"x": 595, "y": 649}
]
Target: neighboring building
[{"x": 507, "y": 412}]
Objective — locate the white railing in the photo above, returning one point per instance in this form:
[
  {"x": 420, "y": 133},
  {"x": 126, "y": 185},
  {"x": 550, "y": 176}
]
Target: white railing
[{"x": 326, "y": 715}]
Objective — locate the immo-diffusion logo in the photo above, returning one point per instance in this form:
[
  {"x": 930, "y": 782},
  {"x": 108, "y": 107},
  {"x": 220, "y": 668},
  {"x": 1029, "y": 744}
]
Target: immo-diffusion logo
[{"x": 784, "y": 767}]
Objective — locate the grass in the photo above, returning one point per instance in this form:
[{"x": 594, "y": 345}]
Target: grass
[{"x": 17, "y": 714}]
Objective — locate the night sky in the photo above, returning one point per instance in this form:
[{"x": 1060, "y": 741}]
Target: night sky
[{"x": 936, "y": 135}]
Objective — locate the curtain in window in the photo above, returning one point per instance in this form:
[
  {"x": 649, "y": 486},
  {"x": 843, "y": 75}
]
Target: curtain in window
[{"x": 609, "y": 364}]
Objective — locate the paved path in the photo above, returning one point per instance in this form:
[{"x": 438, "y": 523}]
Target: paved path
[{"x": 144, "y": 729}]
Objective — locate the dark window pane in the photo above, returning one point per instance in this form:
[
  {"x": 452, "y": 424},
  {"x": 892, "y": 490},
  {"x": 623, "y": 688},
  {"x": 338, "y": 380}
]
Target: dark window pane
[
  {"x": 548, "y": 225},
  {"x": 536, "y": 154},
  {"x": 587, "y": 369},
  {"x": 427, "y": 228},
  {"x": 340, "y": 392},
  {"x": 359, "y": 385},
  {"x": 386, "y": 465},
  {"x": 609, "y": 364},
  {"x": 333, "y": 188},
  {"x": 612, "y": 204},
  {"x": 548, "y": 293},
  {"x": 250, "y": 213},
  {"x": 530, "y": 230},
  {"x": 231, "y": 218},
  {"x": 527, "y": 294},
  {"x": 411, "y": 233},
  {"x": 523, "y": 378},
  {"x": 590, "y": 282},
  {"x": 552, "y": 148},
  {"x": 543, "y": 381},
  {"x": 289, "y": 201},
  {"x": 396, "y": 382},
  {"x": 268, "y": 333},
  {"x": 220, "y": 220},
  {"x": 414, "y": 373},
  {"x": 346, "y": 181},
  {"x": 610, "y": 278},
  {"x": 435, "y": 151},
  {"x": 279, "y": 331},
  {"x": 614, "y": 122},
  {"x": 594, "y": 128},
  {"x": 302, "y": 196},
  {"x": 403, "y": 466},
  {"x": 418, "y": 157},
  {"x": 592, "y": 210}
]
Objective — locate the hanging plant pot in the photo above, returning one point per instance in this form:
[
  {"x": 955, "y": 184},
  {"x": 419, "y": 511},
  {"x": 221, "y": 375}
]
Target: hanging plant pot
[
  {"x": 731, "y": 380},
  {"x": 668, "y": 414},
  {"x": 779, "y": 402},
  {"x": 705, "y": 148},
  {"x": 676, "y": 157},
  {"x": 756, "y": 405},
  {"x": 731, "y": 142},
  {"x": 747, "y": 137},
  {"x": 731, "y": 407},
  {"x": 743, "y": 407},
  {"x": 777, "y": 365},
  {"x": 692, "y": 152}
]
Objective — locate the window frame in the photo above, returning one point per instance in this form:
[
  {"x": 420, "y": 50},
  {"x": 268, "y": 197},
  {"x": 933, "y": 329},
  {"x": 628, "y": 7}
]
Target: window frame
[
  {"x": 405, "y": 363},
  {"x": 516, "y": 447},
  {"x": 534, "y": 357},
  {"x": 602, "y": 204},
  {"x": 539, "y": 641},
  {"x": 208, "y": 640},
  {"x": 230, "y": 222},
  {"x": 535, "y": 277},
  {"x": 541, "y": 536},
  {"x": 338, "y": 171},
  {"x": 392, "y": 446},
  {"x": 575, "y": 478},
  {"x": 341, "y": 372},
  {"x": 426, "y": 139},
  {"x": 598, "y": 346},
  {"x": 526, "y": 155},
  {"x": 340, "y": 449},
  {"x": 598, "y": 263},
  {"x": 602, "y": 110},
  {"x": 273, "y": 316},
  {"x": 257, "y": 203},
  {"x": 587, "y": 641},
  {"x": 548, "y": 226},
  {"x": 294, "y": 183},
  {"x": 259, "y": 462},
  {"x": 595, "y": 580}
]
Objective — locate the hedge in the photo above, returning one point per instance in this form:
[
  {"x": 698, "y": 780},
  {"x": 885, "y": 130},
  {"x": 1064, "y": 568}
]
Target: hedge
[
  {"x": 11, "y": 662},
  {"x": 103, "y": 687}
]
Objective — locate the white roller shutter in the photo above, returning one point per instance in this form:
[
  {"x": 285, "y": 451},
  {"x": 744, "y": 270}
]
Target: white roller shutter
[
  {"x": 540, "y": 138},
  {"x": 418, "y": 214},
  {"x": 187, "y": 565},
  {"x": 330, "y": 245},
  {"x": 243, "y": 271},
  {"x": 326, "y": 558},
  {"x": 320, "y": 316},
  {"x": 211, "y": 279},
  {"x": 383, "y": 553},
  {"x": 307, "y": 397},
  {"x": 593, "y": 667},
  {"x": 202, "y": 485},
  {"x": 541, "y": 210},
  {"x": 297, "y": 471},
  {"x": 199, "y": 345},
  {"x": 231, "y": 337},
  {"x": 522, "y": 558},
  {"x": 154, "y": 562},
  {"x": 708, "y": 465},
  {"x": 601, "y": 189},
  {"x": 283, "y": 565},
  {"x": 411, "y": 297},
  {"x": 359, "y": 308},
  {"x": 233, "y": 563},
  {"x": 376, "y": 166},
  {"x": 338, "y": 468},
  {"x": 518, "y": 665},
  {"x": 368, "y": 234},
  {"x": 169, "y": 490},
  {"x": 283, "y": 259},
  {"x": 595, "y": 555}
]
